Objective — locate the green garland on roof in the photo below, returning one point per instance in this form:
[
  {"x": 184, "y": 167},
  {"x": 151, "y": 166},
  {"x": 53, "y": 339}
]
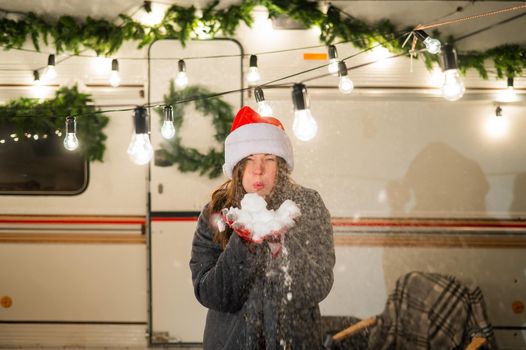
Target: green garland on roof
[
  {"x": 27, "y": 115},
  {"x": 190, "y": 159},
  {"x": 105, "y": 38}
]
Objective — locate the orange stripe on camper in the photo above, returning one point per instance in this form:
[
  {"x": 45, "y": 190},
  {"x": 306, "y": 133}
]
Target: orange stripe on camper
[{"x": 315, "y": 56}]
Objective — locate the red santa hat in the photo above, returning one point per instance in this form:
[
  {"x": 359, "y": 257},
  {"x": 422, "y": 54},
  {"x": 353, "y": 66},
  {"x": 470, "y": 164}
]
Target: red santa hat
[{"x": 253, "y": 134}]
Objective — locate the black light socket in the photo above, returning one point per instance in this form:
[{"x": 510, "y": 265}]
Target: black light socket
[
  {"x": 498, "y": 111},
  {"x": 420, "y": 34},
  {"x": 147, "y": 6},
  {"x": 253, "y": 61},
  {"x": 139, "y": 119},
  {"x": 510, "y": 82},
  {"x": 51, "y": 60},
  {"x": 36, "y": 75},
  {"x": 449, "y": 57},
  {"x": 114, "y": 65},
  {"x": 260, "y": 96},
  {"x": 333, "y": 53},
  {"x": 342, "y": 69},
  {"x": 299, "y": 97},
  {"x": 168, "y": 113},
  {"x": 71, "y": 125},
  {"x": 181, "y": 65}
]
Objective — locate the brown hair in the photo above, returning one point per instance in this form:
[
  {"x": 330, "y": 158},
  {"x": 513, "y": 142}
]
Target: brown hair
[{"x": 231, "y": 192}]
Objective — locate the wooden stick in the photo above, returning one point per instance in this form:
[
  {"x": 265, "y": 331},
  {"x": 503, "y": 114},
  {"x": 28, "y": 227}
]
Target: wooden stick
[
  {"x": 476, "y": 343},
  {"x": 355, "y": 328}
]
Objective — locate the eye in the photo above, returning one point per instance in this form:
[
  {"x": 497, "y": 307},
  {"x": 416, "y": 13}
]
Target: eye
[{"x": 270, "y": 157}]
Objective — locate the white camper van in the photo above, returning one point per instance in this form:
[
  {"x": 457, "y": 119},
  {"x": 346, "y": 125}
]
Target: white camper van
[{"x": 95, "y": 254}]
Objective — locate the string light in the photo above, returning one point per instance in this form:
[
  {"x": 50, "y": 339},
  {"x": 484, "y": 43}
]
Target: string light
[
  {"x": 453, "y": 87},
  {"x": 36, "y": 78},
  {"x": 50, "y": 72},
  {"x": 71, "y": 141},
  {"x": 497, "y": 125},
  {"x": 508, "y": 94},
  {"x": 181, "y": 79},
  {"x": 432, "y": 45},
  {"x": 264, "y": 108},
  {"x": 333, "y": 60},
  {"x": 168, "y": 128},
  {"x": 140, "y": 149},
  {"x": 253, "y": 75},
  {"x": 153, "y": 14},
  {"x": 345, "y": 85},
  {"x": 115, "y": 78},
  {"x": 304, "y": 125}
]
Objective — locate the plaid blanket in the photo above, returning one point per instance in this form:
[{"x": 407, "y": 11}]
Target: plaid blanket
[{"x": 431, "y": 311}]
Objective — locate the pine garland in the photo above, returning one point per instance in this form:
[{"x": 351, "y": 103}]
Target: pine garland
[
  {"x": 189, "y": 159},
  {"x": 105, "y": 37},
  {"x": 26, "y": 115}
]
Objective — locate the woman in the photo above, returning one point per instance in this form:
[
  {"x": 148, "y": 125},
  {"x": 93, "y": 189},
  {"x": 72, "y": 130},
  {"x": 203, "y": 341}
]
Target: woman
[{"x": 256, "y": 300}]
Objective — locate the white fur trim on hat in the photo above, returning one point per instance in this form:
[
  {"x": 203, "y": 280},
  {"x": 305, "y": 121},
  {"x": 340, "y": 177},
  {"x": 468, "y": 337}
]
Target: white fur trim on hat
[{"x": 253, "y": 139}]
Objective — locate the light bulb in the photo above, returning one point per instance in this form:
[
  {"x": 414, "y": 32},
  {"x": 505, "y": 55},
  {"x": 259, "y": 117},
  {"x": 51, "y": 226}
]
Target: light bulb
[
  {"x": 140, "y": 149},
  {"x": 168, "y": 128},
  {"x": 181, "y": 80},
  {"x": 453, "y": 88},
  {"x": 433, "y": 45},
  {"x": 497, "y": 125},
  {"x": 264, "y": 109},
  {"x": 115, "y": 78},
  {"x": 346, "y": 85},
  {"x": 304, "y": 125},
  {"x": 253, "y": 75},
  {"x": 50, "y": 73},
  {"x": 71, "y": 142},
  {"x": 333, "y": 66}
]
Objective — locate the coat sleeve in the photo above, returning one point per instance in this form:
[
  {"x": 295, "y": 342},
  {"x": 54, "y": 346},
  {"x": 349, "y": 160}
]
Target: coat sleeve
[
  {"x": 311, "y": 249},
  {"x": 221, "y": 278}
]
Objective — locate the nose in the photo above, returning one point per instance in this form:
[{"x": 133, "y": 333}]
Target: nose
[{"x": 259, "y": 167}]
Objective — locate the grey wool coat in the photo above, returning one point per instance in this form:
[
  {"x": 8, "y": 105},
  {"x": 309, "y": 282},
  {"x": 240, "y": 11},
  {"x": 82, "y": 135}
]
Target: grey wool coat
[{"x": 256, "y": 301}]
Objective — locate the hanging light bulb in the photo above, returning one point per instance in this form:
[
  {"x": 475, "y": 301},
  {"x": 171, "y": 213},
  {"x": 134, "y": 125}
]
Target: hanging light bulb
[
  {"x": 453, "y": 87},
  {"x": 509, "y": 94},
  {"x": 432, "y": 45},
  {"x": 168, "y": 128},
  {"x": 71, "y": 142},
  {"x": 346, "y": 85},
  {"x": 50, "y": 73},
  {"x": 304, "y": 125},
  {"x": 181, "y": 79},
  {"x": 496, "y": 126},
  {"x": 253, "y": 72},
  {"x": 140, "y": 149},
  {"x": 115, "y": 78},
  {"x": 333, "y": 60},
  {"x": 38, "y": 90},
  {"x": 36, "y": 78},
  {"x": 264, "y": 108}
]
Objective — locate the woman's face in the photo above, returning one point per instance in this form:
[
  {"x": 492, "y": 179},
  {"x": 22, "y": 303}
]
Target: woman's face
[{"x": 260, "y": 172}]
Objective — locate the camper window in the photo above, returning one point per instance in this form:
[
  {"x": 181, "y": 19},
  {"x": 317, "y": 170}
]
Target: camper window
[{"x": 39, "y": 164}]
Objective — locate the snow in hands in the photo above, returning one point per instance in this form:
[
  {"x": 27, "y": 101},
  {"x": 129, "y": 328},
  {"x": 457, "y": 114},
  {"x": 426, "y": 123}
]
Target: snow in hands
[{"x": 259, "y": 223}]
